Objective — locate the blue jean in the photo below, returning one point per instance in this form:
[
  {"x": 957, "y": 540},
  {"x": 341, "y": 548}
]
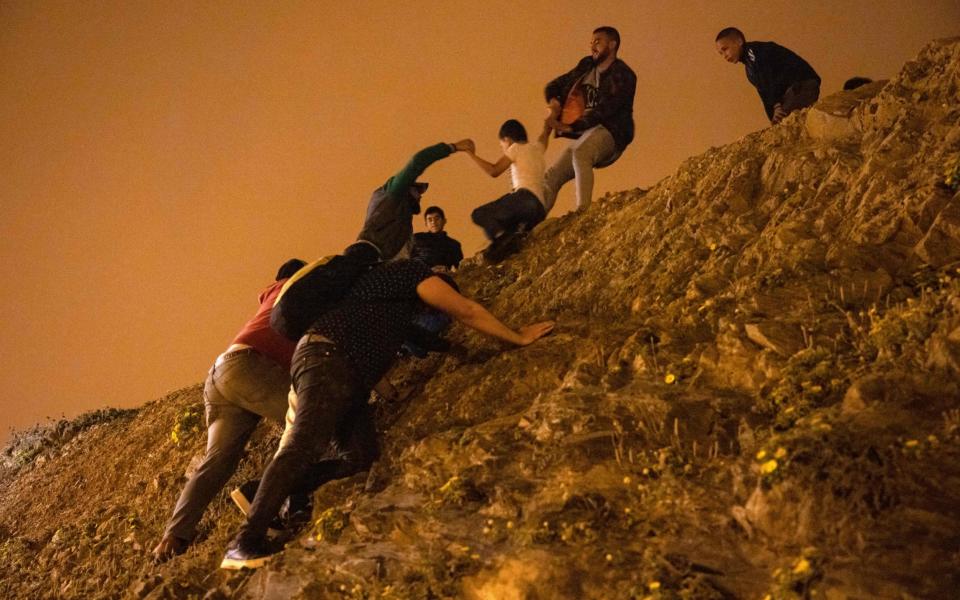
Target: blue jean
[
  {"x": 244, "y": 387},
  {"x": 508, "y": 213},
  {"x": 332, "y": 434}
]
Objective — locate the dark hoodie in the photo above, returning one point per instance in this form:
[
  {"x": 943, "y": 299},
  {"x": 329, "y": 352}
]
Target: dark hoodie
[{"x": 772, "y": 69}]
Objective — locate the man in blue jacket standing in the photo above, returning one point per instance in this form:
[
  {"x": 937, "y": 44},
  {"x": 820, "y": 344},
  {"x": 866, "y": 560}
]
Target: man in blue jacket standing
[
  {"x": 593, "y": 105},
  {"x": 784, "y": 81}
]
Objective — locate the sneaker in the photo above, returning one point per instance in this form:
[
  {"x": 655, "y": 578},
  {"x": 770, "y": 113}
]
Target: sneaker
[
  {"x": 246, "y": 556},
  {"x": 503, "y": 246},
  {"x": 243, "y": 498}
]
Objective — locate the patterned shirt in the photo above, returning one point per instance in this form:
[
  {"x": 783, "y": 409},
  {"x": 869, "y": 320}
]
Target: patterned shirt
[{"x": 369, "y": 324}]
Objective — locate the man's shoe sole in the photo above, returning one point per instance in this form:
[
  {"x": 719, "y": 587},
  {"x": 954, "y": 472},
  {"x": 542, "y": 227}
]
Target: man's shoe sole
[
  {"x": 241, "y": 501},
  {"x": 235, "y": 564}
]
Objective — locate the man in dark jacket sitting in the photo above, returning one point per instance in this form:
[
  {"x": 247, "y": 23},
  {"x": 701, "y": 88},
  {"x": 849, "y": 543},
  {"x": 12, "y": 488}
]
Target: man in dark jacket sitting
[
  {"x": 434, "y": 246},
  {"x": 593, "y": 105},
  {"x": 784, "y": 81}
]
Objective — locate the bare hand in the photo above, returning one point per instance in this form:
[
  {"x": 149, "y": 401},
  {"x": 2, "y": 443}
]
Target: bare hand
[
  {"x": 778, "y": 113},
  {"x": 531, "y": 333},
  {"x": 553, "y": 108},
  {"x": 466, "y": 145}
]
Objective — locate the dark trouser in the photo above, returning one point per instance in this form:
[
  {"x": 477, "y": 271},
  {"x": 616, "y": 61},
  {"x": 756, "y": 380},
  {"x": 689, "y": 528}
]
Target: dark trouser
[
  {"x": 332, "y": 435},
  {"x": 241, "y": 387},
  {"x": 508, "y": 213},
  {"x": 800, "y": 95}
]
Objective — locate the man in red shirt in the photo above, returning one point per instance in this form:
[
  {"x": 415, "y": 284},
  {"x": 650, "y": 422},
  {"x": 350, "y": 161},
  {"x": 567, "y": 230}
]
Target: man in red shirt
[{"x": 247, "y": 382}]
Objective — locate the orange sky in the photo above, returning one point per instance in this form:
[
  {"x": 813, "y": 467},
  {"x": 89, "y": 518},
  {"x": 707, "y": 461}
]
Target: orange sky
[{"x": 160, "y": 160}]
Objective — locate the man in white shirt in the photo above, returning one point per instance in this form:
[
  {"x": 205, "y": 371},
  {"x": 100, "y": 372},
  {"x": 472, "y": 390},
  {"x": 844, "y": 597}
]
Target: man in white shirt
[{"x": 509, "y": 216}]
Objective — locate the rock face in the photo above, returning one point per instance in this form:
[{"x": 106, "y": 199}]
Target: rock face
[{"x": 752, "y": 390}]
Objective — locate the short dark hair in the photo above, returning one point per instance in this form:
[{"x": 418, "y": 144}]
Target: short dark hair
[
  {"x": 730, "y": 32},
  {"x": 514, "y": 130},
  {"x": 434, "y": 210},
  {"x": 610, "y": 32},
  {"x": 855, "y": 82},
  {"x": 290, "y": 267}
]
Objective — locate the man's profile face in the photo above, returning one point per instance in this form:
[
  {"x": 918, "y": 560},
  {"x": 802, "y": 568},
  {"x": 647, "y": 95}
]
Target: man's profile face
[
  {"x": 729, "y": 48},
  {"x": 601, "y": 47},
  {"x": 435, "y": 222}
]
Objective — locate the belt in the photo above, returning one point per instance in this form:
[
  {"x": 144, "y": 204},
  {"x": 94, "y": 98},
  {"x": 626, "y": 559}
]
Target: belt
[
  {"x": 232, "y": 350},
  {"x": 315, "y": 338}
]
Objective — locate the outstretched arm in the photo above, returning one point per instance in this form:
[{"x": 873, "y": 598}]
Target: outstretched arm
[
  {"x": 419, "y": 163},
  {"x": 544, "y": 138},
  {"x": 491, "y": 169},
  {"x": 436, "y": 293}
]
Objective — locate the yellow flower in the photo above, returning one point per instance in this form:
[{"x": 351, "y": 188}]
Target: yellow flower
[
  {"x": 670, "y": 378},
  {"x": 609, "y": 558},
  {"x": 780, "y": 453},
  {"x": 802, "y": 566},
  {"x": 761, "y": 455},
  {"x": 653, "y": 585},
  {"x": 713, "y": 246},
  {"x": 626, "y": 480},
  {"x": 769, "y": 467},
  {"x": 912, "y": 443}
]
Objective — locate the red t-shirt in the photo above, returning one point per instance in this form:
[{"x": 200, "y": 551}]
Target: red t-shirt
[{"x": 257, "y": 331}]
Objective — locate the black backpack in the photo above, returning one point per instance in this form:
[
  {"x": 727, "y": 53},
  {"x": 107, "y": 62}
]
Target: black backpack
[{"x": 311, "y": 291}]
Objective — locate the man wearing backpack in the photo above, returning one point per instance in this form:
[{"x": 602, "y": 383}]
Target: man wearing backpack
[
  {"x": 343, "y": 354},
  {"x": 247, "y": 382}
]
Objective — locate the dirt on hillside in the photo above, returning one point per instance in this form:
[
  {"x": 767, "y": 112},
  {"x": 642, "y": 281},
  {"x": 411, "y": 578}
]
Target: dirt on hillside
[{"x": 752, "y": 392}]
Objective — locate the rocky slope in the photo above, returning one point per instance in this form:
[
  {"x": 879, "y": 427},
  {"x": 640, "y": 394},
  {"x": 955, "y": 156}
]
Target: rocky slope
[{"x": 752, "y": 392}]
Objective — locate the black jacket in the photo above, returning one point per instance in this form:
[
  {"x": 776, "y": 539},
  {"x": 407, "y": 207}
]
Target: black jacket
[
  {"x": 614, "y": 109},
  {"x": 772, "y": 69},
  {"x": 436, "y": 249}
]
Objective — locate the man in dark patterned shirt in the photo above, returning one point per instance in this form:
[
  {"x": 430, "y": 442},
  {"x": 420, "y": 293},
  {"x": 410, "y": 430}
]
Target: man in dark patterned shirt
[
  {"x": 593, "y": 105},
  {"x": 343, "y": 354}
]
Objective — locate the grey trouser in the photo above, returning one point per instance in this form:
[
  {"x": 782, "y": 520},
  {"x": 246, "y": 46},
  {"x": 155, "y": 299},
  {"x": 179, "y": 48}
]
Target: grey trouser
[
  {"x": 242, "y": 387},
  {"x": 595, "y": 148}
]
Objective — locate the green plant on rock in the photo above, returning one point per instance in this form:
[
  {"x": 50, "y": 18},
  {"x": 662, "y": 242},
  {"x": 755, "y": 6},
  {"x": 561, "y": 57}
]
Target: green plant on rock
[
  {"x": 808, "y": 380},
  {"x": 951, "y": 174},
  {"x": 796, "y": 581},
  {"x": 910, "y": 322},
  {"x": 330, "y": 525},
  {"x": 188, "y": 423}
]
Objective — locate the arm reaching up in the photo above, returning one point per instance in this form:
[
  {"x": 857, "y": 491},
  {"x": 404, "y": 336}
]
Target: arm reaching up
[
  {"x": 544, "y": 138},
  {"x": 436, "y": 293},
  {"x": 405, "y": 177}
]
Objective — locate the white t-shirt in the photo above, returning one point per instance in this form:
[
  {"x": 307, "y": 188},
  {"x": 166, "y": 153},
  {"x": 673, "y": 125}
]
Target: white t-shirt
[{"x": 528, "y": 167}]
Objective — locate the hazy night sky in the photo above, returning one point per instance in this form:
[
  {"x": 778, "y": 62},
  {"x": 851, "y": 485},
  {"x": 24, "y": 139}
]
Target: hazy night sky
[{"x": 161, "y": 159}]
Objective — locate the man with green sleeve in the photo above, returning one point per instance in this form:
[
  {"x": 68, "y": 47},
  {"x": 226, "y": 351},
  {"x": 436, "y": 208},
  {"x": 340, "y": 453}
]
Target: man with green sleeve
[{"x": 388, "y": 227}]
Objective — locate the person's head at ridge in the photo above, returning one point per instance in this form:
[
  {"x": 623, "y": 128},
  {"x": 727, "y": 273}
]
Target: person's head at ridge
[
  {"x": 730, "y": 43},
  {"x": 604, "y": 45},
  {"x": 434, "y": 219},
  {"x": 855, "y": 82},
  {"x": 288, "y": 268}
]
